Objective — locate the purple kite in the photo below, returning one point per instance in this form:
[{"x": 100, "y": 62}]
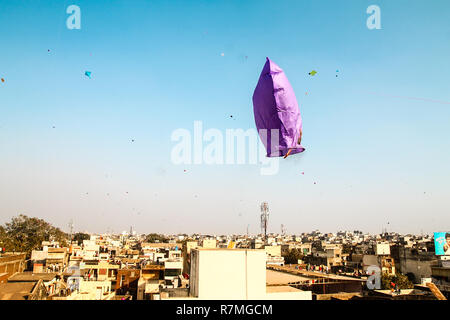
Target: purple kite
[{"x": 277, "y": 115}]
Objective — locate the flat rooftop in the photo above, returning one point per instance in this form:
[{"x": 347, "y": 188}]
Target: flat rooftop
[
  {"x": 16, "y": 290},
  {"x": 312, "y": 274},
  {"x": 276, "y": 278},
  {"x": 33, "y": 277}
]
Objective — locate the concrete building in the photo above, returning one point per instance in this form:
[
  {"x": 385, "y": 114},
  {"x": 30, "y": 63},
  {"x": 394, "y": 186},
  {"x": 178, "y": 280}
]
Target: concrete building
[
  {"x": 383, "y": 248},
  {"x": 127, "y": 282},
  {"x": 228, "y": 274},
  {"x": 234, "y": 274},
  {"x": 150, "y": 282},
  {"x": 186, "y": 255},
  {"x": 273, "y": 255},
  {"x": 416, "y": 264},
  {"x": 440, "y": 275},
  {"x": 23, "y": 291},
  {"x": 11, "y": 263},
  {"x": 50, "y": 280},
  {"x": 99, "y": 270},
  {"x": 209, "y": 243},
  {"x": 172, "y": 270}
]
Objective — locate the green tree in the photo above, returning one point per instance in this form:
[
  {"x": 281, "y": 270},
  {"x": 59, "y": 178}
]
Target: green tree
[
  {"x": 80, "y": 236},
  {"x": 4, "y": 241},
  {"x": 24, "y": 234},
  {"x": 154, "y": 237},
  {"x": 293, "y": 256},
  {"x": 399, "y": 279}
]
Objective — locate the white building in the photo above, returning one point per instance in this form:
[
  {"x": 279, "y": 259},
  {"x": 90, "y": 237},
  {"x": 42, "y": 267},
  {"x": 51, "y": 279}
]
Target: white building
[{"x": 234, "y": 274}]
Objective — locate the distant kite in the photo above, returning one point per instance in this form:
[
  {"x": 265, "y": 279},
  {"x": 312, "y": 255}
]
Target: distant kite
[
  {"x": 88, "y": 74},
  {"x": 312, "y": 73},
  {"x": 276, "y": 111}
]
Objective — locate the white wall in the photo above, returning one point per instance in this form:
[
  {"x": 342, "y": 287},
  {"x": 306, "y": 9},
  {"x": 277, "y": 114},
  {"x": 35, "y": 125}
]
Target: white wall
[
  {"x": 383, "y": 249},
  {"x": 228, "y": 274}
]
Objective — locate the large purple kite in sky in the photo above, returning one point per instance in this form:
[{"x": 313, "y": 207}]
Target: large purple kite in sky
[{"x": 277, "y": 115}]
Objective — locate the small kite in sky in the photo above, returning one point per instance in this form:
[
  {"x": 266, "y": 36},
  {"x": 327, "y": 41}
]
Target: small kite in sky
[
  {"x": 276, "y": 111},
  {"x": 88, "y": 74},
  {"x": 312, "y": 73},
  {"x": 222, "y": 54},
  {"x": 3, "y": 80}
]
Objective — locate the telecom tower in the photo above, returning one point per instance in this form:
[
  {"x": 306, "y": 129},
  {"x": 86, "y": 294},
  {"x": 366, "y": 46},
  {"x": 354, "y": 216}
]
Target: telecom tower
[
  {"x": 283, "y": 230},
  {"x": 71, "y": 230},
  {"x": 264, "y": 219}
]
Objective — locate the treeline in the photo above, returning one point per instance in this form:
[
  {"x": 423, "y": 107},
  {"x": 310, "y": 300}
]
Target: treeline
[
  {"x": 155, "y": 237},
  {"x": 24, "y": 234}
]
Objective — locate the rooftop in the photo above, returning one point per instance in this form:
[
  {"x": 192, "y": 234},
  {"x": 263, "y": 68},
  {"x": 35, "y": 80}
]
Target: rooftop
[
  {"x": 273, "y": 289},
  {"x": 33, "y": 277},
  {"x": 16, "y": 290},
  {"x": 274, "y": 278}
]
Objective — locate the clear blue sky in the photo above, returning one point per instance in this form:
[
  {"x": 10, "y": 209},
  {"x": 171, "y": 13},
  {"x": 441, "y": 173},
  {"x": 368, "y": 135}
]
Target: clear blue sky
[{"x": 377, "y": 154}]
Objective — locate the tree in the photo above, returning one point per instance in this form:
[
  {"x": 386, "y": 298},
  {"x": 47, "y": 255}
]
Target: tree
[
  {"x": 293, "y": 256},
  {"x": 4, "y": 241},
  {"x": 80, "y": 236},
  {"x": 399, "y": 279},
  {"x": 24, "y": 234},
  {"x": 154, "y": 237}
]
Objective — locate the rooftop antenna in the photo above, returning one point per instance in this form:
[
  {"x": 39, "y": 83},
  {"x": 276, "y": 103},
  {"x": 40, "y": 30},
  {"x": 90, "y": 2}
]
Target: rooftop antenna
[
  {"x": 264, "y": 219},
  {"x": 247, "y": 229}
]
